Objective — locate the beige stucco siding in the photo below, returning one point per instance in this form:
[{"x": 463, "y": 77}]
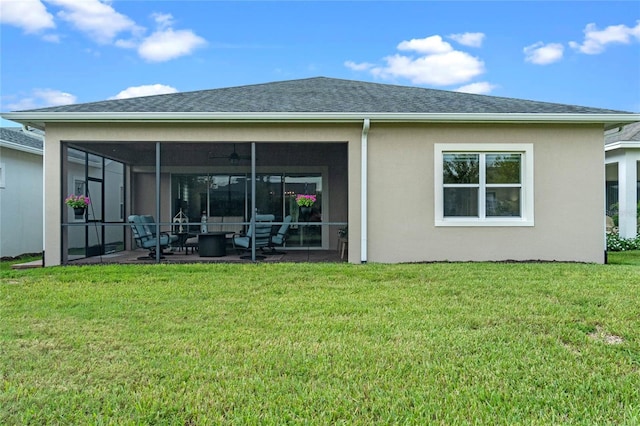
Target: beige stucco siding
[
  {"x": 568, "y": 185},
  {"x": 194, "y": 132},
  {"x": 568, "y": 176},
  {"x": 52, "y": 198}
]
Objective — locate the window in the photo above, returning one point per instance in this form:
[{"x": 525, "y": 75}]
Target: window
[
  {"x": 2, "y": 168},
  {"x": 484, "y": 185}
]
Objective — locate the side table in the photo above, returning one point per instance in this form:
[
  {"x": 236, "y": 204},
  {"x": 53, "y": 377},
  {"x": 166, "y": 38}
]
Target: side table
[
  {"x": 212, "y": 244},
  {"x": 182, "y": 238}
]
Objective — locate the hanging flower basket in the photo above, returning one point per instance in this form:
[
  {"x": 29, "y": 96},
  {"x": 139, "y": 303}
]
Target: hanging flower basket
[
  {"x": 79, "y": 212},
  {"x": 305, "y": 200},
  {"x": 78, "y": 203}
]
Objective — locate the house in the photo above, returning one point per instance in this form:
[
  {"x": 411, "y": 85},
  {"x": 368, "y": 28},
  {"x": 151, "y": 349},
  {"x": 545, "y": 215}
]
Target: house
[
  {"x": 622, "y": 154},
  {"x": 21, "y": 206},
  {"x": 417, "y": 174}
]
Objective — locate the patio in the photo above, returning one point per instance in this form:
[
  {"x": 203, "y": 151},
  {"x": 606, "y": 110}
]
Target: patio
[
  {"x": 130, "y": 257},
  {"x": 181, "y": 256}
]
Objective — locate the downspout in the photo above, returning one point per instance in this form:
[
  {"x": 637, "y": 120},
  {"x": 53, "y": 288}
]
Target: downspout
[
  {"x": 253, "y": 202},
  {"x": 158, "y": 249},
  {"x": 44, "y": 206},
  {"x": 363, "y": 191}
]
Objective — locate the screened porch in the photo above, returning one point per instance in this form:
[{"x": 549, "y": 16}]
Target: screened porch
[{"x": 195, "y": 187}]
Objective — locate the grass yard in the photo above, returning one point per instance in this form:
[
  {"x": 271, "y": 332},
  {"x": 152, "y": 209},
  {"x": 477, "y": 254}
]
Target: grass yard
[{"x": 461, "y": 343}]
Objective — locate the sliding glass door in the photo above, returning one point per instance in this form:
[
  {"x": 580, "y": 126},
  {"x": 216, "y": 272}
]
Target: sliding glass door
[{"x": 225, "y": 201}]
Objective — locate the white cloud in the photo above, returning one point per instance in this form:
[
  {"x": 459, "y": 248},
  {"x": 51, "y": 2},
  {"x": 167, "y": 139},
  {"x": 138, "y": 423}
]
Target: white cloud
[
  {"x": 103, "y": 24},
  {"x": 30, "y": 15},
  {"x": 596, "y": 40},
  {"x": 145, "y": 90},
  {"x": 168, "y": 44},
  {"x": 441, "y": 70},
  {"x": 51, "y": 38},
  {"x": 40, "y": 98},
  {"x": 163, "y": 20},
  {"x": 468, "y": 39},
  {"x": 427, "y": 45},
  {"x": 479, "y": 88},
  {"x": 53, "y": 97},
  {"x": 98, "y": 20},
  {"x": 435, "y": 63},
  {"x": 543, "y": 54},
  {"x": 126, "y": 44},
  {"x": 363, "y": 66}
]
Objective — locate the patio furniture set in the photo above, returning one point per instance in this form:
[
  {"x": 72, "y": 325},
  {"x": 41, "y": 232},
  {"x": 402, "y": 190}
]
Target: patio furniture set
[{"x": 210, "y": 244}]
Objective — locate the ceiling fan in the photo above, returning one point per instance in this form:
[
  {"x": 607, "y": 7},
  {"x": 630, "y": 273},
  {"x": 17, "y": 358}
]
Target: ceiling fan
[{"x": 234, "y": 158}]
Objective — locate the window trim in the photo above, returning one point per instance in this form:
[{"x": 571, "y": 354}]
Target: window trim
[{"x": 526, "y": 149}]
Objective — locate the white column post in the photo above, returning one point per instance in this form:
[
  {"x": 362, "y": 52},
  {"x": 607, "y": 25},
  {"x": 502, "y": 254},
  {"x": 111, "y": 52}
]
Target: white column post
[
  {"x": 627, "y": 196},
  {"x": 364, "y": 189}
]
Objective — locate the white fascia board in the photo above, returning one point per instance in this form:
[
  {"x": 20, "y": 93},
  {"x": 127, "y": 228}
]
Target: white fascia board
[
  {"x": 37, "y": 119},
  {"x": 19, "y": 147},
  {"x": 622, "y": 145}
]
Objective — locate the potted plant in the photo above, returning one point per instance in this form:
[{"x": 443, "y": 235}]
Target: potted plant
[
  {"x": 305, "y": 201},
  {"x": 78, "y": 203}
]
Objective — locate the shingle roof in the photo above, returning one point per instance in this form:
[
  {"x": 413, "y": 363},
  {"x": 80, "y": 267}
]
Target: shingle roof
[
  {"x": 628, "y": 133},
  {"x": 321, "y": 94},
  {"x": 17, "y": 136}
]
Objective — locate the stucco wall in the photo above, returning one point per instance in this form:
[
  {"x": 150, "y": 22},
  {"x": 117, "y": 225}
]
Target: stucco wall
[
  {"x": 568, "y": 202},
  {"x": 20, "y": 203},
  {"x": 568, "y": 185}
]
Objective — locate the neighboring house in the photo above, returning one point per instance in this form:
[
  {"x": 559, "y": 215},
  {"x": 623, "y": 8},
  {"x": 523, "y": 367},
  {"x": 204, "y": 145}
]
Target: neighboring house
[
  {"x": 416, "y": 174},
  {"x": 622, "y": 154},
  {"x": 21, "y": 205}
]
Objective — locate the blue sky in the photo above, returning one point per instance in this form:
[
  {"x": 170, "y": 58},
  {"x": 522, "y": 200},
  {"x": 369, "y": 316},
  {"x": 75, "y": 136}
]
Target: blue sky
[{"x": 71, "y": 51}]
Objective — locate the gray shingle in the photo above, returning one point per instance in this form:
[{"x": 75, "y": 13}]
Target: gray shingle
[
  {"x": 628, "y": 133},
  {"x": 18, "y": 136},
  {"x": 321, "y": 94}
]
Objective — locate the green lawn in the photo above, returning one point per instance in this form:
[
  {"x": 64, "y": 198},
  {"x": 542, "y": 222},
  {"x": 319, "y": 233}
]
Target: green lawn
[
  {"x": 460, "y": 343},
  {"x": 625, "y": 258}
]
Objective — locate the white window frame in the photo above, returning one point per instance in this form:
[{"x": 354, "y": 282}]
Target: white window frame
[
  {"x": 527, "y": 194},
  {"x": 2, "y": 178}
]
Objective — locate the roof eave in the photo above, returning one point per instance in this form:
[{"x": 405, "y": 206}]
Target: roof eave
[
  {"x": 20, "y": 147},
  {"x": 38, "y": 119},
  {"x": 612, "y": 146}
]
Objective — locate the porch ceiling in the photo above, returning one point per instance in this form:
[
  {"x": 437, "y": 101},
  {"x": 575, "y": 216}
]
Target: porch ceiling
[{"x": 216, "y": 154}]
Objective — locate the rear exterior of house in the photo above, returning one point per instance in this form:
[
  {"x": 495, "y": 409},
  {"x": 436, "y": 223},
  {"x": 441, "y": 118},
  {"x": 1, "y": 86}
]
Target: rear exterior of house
[{"x": 417, "y": 175}]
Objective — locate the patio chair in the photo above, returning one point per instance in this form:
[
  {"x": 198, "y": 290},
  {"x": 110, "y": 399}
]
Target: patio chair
[
  {"x": 244, "y": 242},
  {"x": 280, "y": 237},
  {"x": 150, "y": 223},
  {"x": 144, "y": 237}
]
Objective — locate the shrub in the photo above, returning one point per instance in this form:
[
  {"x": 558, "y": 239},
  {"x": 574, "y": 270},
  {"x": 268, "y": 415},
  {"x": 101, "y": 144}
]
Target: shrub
[{"x": 616, "y": 243}]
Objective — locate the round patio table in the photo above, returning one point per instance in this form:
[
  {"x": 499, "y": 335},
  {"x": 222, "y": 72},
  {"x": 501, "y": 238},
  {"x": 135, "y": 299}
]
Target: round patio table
[{"x": 212, "y": 244}]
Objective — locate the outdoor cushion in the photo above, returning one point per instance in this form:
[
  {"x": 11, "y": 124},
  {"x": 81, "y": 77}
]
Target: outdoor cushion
[
  {"x": 143, "y": 236},
  {"x": 279, "y": 238},
  {"x": 263, "y": 233}
]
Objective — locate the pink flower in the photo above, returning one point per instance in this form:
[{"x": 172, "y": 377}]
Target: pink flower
[
  {"x": 305, "y": 200},
  {"x": 77, "y": 201}
]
